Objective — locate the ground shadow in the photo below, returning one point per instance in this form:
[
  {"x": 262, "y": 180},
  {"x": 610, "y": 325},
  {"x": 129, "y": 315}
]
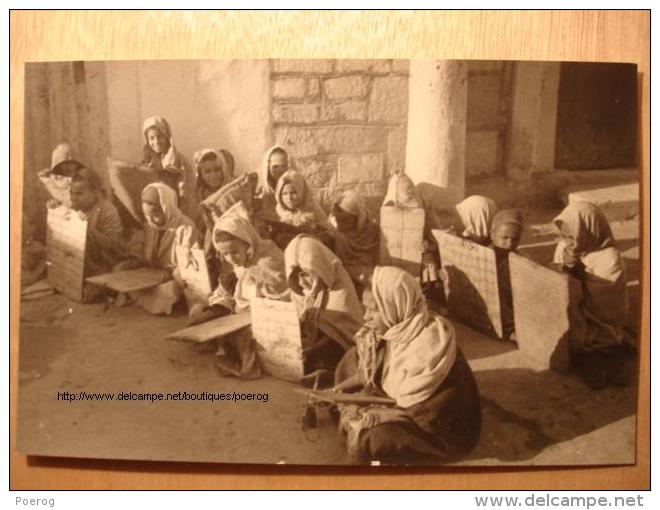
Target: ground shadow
[
  {"x": 525, "y": 411},
  {"x": 465, "y": 302}
]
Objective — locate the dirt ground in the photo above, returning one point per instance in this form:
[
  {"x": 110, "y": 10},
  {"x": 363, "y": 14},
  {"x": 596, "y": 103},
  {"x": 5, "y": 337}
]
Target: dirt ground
[{"x": 530, "y": 415}]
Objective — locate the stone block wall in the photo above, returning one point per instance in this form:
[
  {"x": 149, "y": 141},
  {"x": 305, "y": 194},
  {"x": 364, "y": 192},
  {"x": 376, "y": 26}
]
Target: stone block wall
[
  {"x": 489, "y": 104},
  {"x": 343, "y": 122}
]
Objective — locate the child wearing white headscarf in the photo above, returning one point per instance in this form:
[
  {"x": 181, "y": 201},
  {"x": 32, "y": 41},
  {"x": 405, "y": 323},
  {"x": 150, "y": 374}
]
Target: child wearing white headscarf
[
  {"x": 470, "y": 219},
  {"x": 401, "y": 192},
  {"x": 160, "y": 155},
  {"x": 276, "y": 163},
  {"x": 328, "y": 305},
  {"x": 260, "y": 273},
  {"x": 357, "y": 238},
  {"x": 166, "y": 228},
  {"x": 406, "y": 354},
  {"x": 588, "y": 252},
  {"x": 258, "y": 268},
  {"x": 213, "y": 169}
]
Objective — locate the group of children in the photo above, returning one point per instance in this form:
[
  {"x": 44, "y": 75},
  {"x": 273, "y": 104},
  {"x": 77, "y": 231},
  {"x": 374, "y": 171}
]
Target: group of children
[{"x": 364, "y": 326}]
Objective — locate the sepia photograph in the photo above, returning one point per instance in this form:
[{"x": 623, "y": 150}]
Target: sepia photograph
[{"x": 376, "y": 262}]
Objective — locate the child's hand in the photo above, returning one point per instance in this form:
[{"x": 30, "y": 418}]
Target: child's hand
[
  {"x": 197, "y": 313},
  {"x": 576, "y": 269},
  {"x": 177, "y": 278}
]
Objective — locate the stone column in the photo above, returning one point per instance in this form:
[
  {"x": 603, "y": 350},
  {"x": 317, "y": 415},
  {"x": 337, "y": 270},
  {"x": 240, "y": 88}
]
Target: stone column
[
  {"x": 531, "y": 143},
  {"x": 437, "y": 113}
]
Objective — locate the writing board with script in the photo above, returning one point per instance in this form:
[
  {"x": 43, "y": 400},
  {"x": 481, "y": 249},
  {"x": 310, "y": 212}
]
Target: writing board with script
[
  {"x": 212, "y": 329},
  {"x": 65, "y": 251},
  {"x": 470, "y": 282},
  {"x": 401, "y": 238},
  {"x": 129, "y": 281},
  {"x": 191, "y": 263},
  {"x": 276, "y": 331},
  {"x": 543, "y": 302}
]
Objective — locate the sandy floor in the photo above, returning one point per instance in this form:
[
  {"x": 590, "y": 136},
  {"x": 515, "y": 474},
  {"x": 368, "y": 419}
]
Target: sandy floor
[{"x": 530, "y": 415}]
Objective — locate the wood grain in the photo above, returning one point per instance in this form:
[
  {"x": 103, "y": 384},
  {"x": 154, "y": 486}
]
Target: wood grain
[{"x": 612, "y": 36}]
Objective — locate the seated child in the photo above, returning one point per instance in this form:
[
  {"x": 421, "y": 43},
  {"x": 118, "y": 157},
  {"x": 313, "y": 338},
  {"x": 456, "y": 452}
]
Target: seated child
[
  {"x": 587, "y": 251},
  {"x": 506, "y": 231},
  {"x": 470, "y": 219},
  {"x": 166, "y": 227},
  {"x": 404, "y": 353},
  {"x": 55, "y": 189},
  {"x": 213, "y": 171},
  {"x": 357, "y": 237},
  {"x": 259, "y": 272},
  {"x": 328, "y": 306},
  {"x": 174, "y": 171},
  {"x": 401, "y": 192},
  {"x": 240, "y": 189},
  {"x": 276, "y": 164},
  {"x": 105, "y": 247},
  {"x": 297, "y": 208}
]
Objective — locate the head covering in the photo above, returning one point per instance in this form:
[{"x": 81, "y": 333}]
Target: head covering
[
  {"x": 171, "y": 161},
  {"x": 160, "y": 124},
  {"x": 401, "y": 192},
  {"x": 151, "y": 158},
  {"x": 159, "y": 241},
  {"x": 166, "y": 198},
  {"x": 231, "y": 163},
  {"x": 507, "y": 217},
  {"x": 309, "y": 213},
  {"x": 476, "y": 213},
  {"x": 203, "y": 191},
  {"x": 341, "y": 313},
  {"x": 357, "y": 248},
  {"x": 267, "y": 181},
  {"x": 587, "y": 224},
  {"x": 400, "y": 302},
  {"x": 420, "y": 350},
  {"x": 151, "y": 196},
  {"x": 61, "y": 154},
  {"x": 352, "y": 203},
  {"x": 264, "y": 266},
  {"x": 299, "y": 183},
  {"x": 236, "y": 221}
]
